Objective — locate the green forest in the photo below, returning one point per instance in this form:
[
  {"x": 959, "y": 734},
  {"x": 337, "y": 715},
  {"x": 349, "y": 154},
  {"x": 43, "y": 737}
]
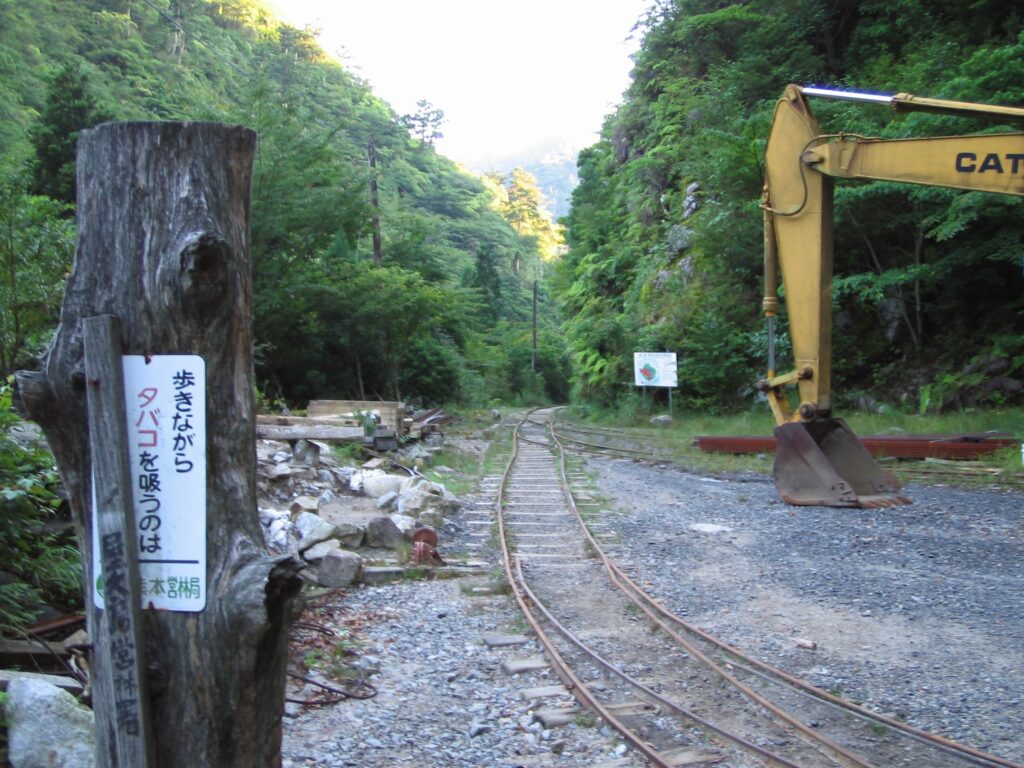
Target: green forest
[
  {"x": 665, "y": 231},
  {"x": 384, "y": 270},
  {"x": 381, "y": 270}
]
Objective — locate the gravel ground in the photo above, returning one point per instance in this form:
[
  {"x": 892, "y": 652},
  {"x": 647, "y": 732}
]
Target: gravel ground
[
  {"x": 443, "y": 699},
  {"x": 917, "y": 611}
]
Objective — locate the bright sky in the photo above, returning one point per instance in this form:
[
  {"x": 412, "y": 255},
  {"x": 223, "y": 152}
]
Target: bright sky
[{"x": 509, "y": 74}]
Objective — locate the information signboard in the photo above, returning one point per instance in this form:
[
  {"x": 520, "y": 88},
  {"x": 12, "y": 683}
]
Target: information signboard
[
  {"x": 166, "y": 422},
  {"x": 655, "y": 369}
]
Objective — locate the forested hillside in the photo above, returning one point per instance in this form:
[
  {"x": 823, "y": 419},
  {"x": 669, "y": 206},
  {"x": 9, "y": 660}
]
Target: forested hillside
[
  {"x": 665, "y": 229},
  {"x": 381, "y": 270}
]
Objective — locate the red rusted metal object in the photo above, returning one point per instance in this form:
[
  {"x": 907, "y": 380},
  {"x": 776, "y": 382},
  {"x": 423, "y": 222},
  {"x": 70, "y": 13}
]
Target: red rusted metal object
[
  {"x": 424, "y": 547},
  {"x": 958, "y": 447}
]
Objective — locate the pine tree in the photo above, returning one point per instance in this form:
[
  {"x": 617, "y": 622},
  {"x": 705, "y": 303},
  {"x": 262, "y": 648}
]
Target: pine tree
[{"x": 69, "y": 110}]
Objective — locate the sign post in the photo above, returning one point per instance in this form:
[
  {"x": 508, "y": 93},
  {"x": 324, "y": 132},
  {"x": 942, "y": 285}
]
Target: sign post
[
  {"x": 165, "y": 418},
  {"x": 656, "y": 369},
  {"x": 120, "y": 648}
]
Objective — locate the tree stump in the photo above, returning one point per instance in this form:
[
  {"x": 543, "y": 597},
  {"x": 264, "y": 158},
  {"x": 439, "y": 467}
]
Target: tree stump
[{"x": 163, "y": 244}]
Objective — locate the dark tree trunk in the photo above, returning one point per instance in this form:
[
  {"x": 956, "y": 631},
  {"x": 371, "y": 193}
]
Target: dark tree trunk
[{"x": 163, "y": 244}]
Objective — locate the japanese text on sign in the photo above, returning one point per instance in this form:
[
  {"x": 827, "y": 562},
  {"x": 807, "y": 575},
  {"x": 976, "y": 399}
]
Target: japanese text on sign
[{"x": 166, "y": 419}]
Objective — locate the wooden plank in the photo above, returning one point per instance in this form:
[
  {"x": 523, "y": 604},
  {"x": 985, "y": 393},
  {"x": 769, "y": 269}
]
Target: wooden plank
[
  {"x": 515, "y": 666},
  {"x": 677, "y": 758},
  {"x": 553, "y": 717},
  {"x": 504, "y": 641},
  {"x": 31, "y": 648},
  {"x": 544, "y": 691},
  {"x": 311, "y": 432},
  {"x": 120, "y": 646}
]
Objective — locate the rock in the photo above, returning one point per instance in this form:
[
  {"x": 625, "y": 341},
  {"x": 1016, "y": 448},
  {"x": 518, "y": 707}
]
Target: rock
[
  {"x": 278, "y": 471},
  {"x": 387, "y": 500},
  {"x": 432, "y": 517},
  {"x": 340, "y": 568},
  {"x": 321, "y": 550},
  {"x": 383, "y": 532},
  {"x": 306, "y": 453},
  {"x": 710, "y": 528},
  {"x": 350, "y": 534},
  {"x": 47, "y": 727},
  {"x": 662, "y": 420},
  {"x": 281, "y": 457},
  {"x": 326, "y": 477},
  {"x": 424, "y": 495},
  {"x": 376, "y": 486},
  {"x": 278, "y": 533},
  {"x": 312, "y": 529},
  {"x": 359, "y": 477},
  {"x": 265, "y": 449},
  {"x": 405, "y": 524},
  {"x": 268, "y": 516},
  {"x": 495, "y": 414},
  {"x": 304, "y": 504}
]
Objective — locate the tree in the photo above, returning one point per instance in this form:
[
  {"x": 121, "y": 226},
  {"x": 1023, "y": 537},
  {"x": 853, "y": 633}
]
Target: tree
[
  {"x": 172, "y": 262},
  {"x": 69, "y": 110},
  {"x": 522, "y": 205},
  {"x": 425, "y": 123},
  {"x": 36, "y": 243}
]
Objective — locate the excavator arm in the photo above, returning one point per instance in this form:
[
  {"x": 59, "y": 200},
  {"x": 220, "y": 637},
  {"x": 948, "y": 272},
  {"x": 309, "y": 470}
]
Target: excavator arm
[{"x": 818, "y": 458}]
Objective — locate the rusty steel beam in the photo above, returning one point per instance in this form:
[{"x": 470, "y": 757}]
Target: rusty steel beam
[{"x": 957, "y": 447}]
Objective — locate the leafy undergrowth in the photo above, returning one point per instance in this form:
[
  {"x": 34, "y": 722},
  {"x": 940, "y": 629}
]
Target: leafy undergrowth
[{"x": 42, "y": 566}]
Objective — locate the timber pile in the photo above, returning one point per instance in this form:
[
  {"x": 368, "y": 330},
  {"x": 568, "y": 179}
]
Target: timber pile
[{"x": 329, "y": 421}]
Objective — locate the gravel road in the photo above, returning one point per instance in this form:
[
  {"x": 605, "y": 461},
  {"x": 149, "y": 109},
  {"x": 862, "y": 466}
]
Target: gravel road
[{"x": 915, "y": 611}]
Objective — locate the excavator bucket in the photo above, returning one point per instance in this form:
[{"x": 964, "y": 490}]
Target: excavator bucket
[{"x": 822, "y": 463}]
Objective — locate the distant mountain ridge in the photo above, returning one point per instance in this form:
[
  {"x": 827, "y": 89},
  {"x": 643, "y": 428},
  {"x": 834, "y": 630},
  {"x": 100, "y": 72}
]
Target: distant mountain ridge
[{"x": 552, "y": 163}]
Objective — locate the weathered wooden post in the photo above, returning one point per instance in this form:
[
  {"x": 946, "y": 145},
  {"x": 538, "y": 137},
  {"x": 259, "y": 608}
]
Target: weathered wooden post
[{"x": 163, "y": 245}]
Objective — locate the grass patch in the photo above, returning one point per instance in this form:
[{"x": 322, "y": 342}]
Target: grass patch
[{"x": 675, "y": 443}]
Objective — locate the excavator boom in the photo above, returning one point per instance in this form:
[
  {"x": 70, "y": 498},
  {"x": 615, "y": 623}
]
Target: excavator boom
[{"x": 818, "y": 459}]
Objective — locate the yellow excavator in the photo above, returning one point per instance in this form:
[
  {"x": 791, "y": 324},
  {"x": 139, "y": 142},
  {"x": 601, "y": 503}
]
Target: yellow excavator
[{"x": 818, "y": 459}]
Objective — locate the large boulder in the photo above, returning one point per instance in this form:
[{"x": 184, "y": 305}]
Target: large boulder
[
  {"x": 376, "y": 486},
  {"x": 383, "y": 532},
  {"x": 47, "y": 727},
  {"x": 306, "y": 452},
  {"x": 406, "y": 524},
  {"x": 302, "y": 504},
  {"x": 350, "y": 534},
  {"x": 424, "y": 495},
  {"x": 312, "y": 529},
  {"x": 339, "y": 568},
  {"x": 321, "y": 550}
]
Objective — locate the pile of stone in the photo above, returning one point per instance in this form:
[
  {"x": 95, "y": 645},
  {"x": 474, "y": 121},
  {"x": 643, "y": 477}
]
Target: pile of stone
[{"x": 335, "y": 517}]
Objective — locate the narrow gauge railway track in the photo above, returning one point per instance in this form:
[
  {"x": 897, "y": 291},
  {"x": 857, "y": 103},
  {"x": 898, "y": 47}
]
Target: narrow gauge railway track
[
  {"x": 624, "y": 443},
  {"x": 678, "y": 695}
]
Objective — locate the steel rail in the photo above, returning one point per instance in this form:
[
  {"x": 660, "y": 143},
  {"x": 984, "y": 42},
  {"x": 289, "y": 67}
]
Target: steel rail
[
  {"x": 813, "y": 738},
  {"x": 924, "y": 474},
  {"x": 690, "y": 715},
  {"x": 646, "y": 603},
  {"x": 576, "y": 686},
  {"x": 758, "y": 667},
  {"x": 580, "y": 690}
]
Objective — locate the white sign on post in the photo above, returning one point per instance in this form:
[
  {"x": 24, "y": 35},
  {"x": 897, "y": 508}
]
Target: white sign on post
[
  {"x": 655, "y": 369},
  {"x": 166, "y": 422}
]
